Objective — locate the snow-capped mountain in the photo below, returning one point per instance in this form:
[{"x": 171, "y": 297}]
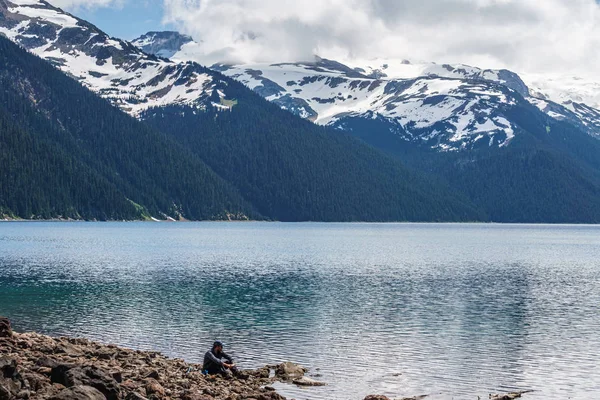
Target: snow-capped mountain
[
  {"x": 117, "y": 70},
  {"x": 567, "y": 98},
  {"x": 447, "y": 107},
  {"x": 404, "y": 69},
  {"x": 442, "y": 107},
  {"x": 443, "y": 113},
  {"x": 162, "y": 44},
  {"x": 580, "y": 98}
]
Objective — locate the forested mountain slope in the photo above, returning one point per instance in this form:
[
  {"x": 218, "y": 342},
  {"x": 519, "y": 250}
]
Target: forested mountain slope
[
  {"x": 101, "y": 163},
  {"x": 67, "y": 153},
  {"x": 549, "y": 173},
  {"x": 291, "y": 169}
]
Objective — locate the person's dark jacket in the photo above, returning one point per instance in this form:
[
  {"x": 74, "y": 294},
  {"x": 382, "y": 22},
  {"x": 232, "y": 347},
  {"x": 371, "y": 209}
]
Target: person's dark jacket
[{"x": 213, "y": 362}]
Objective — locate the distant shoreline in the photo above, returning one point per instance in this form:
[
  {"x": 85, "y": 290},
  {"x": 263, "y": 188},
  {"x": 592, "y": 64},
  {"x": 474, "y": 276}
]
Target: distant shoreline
[{"x": 482, "y": 223}]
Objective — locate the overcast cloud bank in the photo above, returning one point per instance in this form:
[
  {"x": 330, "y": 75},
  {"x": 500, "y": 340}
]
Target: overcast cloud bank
[{"x": 561, "y": 36}]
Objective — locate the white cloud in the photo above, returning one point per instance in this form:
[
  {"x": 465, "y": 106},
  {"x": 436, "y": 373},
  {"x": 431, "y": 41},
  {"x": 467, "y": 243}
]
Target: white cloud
[{"x": 524, "y": 35}]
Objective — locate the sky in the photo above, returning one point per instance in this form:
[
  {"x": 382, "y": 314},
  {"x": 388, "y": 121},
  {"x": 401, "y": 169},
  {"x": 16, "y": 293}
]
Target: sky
[
  {"x": 125, "y": 19},
  {"x": 534, "y": 36}
]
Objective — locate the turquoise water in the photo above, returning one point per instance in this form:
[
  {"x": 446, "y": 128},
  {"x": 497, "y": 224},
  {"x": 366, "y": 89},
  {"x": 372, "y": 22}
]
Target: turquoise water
[{"x": 453, "y": 311}]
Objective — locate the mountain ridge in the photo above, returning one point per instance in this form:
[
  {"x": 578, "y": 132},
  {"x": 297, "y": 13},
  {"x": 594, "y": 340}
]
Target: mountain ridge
[
  {"x": 267, "y": 80},
  {"x": 115, "y": 69},
  {"x": 164, "y": 44},
  {"x": 443, "y": 107}
]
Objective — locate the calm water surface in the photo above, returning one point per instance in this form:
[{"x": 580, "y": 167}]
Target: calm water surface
[{"x": 452, "y": 311}]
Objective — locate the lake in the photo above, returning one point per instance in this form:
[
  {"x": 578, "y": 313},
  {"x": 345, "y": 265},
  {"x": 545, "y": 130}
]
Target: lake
[{"x": 454, "y": 311}]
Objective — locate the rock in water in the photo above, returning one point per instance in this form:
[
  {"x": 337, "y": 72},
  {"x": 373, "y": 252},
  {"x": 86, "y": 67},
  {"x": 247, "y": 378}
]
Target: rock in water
[
  {"x": 304, "y": 381},
  {"x": 5, "y": 328},
  {"x": 376, "y": 397},
  {"x": 289, "y": 371},
  {"x": 509, "y": 396}
]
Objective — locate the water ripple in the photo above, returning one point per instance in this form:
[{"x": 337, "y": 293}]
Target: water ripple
[{"x": 453, "y": 311}]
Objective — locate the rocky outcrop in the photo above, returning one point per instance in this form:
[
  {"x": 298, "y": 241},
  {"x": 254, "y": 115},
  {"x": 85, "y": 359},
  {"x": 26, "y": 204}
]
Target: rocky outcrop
[
  {"x": 79, "y": 393},
  {"x": 5, "y": 328},
  {"x": 34, "y": 366},
  {"x": 294, "y": 373},
  {"x": 509, "y": 396},
  {"x": 289, "y": 371}
]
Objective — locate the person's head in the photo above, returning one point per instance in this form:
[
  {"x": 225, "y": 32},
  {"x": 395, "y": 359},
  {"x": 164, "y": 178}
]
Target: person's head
[{"x": 218, "y": 346}]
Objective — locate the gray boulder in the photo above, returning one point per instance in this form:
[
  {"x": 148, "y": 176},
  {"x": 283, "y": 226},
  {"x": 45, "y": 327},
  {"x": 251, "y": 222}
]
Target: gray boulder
[
  {"x": 289, "y": 371},
  {"x": 11, "y": 382},
  {"x": 70, "y": 376},
  {"x": 304, "y": 381},
  {"x": 79, "y": 393},
  {"x": 5, "y": 328}
]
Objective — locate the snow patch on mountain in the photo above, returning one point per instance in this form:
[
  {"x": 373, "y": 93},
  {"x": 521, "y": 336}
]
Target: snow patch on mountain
[
  {"x": 118, "y": 71},
  {"x": 564, "y": 89},
  {"x": 50, "y": 15},
  {"x": 405, "y": 69},
  {"x": 311, "y": 90},
  {"x": 460, "y": 112},
  {"x": 162, "y": 44},
  {"x": 580, "y": 97}
]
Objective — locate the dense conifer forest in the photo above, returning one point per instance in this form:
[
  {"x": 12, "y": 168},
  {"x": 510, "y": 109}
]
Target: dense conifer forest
[
  {"x": 67, "y": 153},
  {"x": 550, "y": 172},
  {"x": 294, "y": 170}
]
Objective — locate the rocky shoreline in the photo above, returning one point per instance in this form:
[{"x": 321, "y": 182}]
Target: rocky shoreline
[{"x": 35, "y": 366}]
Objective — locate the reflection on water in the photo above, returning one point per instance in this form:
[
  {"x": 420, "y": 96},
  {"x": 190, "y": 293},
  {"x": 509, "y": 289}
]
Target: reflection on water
[{"x": 454, "y": 311}]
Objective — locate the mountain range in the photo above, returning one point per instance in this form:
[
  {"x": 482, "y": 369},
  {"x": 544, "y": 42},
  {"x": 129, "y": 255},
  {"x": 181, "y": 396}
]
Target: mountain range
[
  {"x": 70, "y": 154},
  {"x": 381, "y": 140},
  {"x": 412, "y": 97}
]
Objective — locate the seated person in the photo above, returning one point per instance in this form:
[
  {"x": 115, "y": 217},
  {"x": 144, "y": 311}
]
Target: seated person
[{"x": 216, "y": 361}]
